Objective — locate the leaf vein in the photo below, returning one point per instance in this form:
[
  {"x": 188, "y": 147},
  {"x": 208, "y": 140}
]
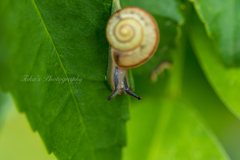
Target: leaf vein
[{"x": 45, "y": 27}]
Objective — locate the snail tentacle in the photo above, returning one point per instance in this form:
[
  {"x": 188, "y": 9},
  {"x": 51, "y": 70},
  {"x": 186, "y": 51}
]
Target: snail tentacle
[
  {"x": 118, "y": 80},
  {"x": 113, "y": 94},
  {"x": 132, "y": 94}
]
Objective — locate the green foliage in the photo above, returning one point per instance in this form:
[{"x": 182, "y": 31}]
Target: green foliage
[
  {"x": 173, "y": 129},
  {"x": 62, "y": 39},
  {"x": 221, "y": 20},
  {"x": 225, "y": 81},
  {"x": 171, "y": 132},
  {"x": 168, "y": 16},
  {"x": 180, "y": 116}
]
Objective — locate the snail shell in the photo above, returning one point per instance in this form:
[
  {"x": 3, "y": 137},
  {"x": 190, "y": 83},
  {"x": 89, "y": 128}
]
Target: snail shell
[{"x": 133, "y": 34}]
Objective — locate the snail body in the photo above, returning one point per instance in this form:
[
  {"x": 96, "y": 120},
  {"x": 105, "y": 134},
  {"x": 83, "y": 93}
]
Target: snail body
[{"x": 133, "y": 36}]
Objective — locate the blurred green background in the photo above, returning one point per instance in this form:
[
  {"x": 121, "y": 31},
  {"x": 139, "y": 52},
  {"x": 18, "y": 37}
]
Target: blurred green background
[{"x": 183, "y": 115}]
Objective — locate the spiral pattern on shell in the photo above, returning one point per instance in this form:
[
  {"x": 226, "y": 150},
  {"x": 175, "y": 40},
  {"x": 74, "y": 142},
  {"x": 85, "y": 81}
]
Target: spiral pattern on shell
[{"x": 133, "y": 34}]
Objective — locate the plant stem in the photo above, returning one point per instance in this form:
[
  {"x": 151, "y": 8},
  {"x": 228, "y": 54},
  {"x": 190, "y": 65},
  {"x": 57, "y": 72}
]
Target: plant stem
[
  {"x": 115, "y": 6},
  {"x": 175, "y": 81}
]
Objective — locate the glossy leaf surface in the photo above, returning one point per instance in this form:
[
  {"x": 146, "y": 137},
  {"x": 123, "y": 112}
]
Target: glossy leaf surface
[
  {"x": 41, "y": 44},
  {"x": 221, "y": 19},
  {"x": 225, "y": 81}
]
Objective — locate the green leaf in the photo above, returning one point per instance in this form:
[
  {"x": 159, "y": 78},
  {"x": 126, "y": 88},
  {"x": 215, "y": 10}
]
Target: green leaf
[
  {"x": 165, "y": 8},
  {"x": 200, "y": 94},
  {"x": 221, "y": 19},
  {"x": 225, "y": 81},
  {"x": 170, "y": 128},
  {"x": 75, "y": 31},
  {"x": 62, "y": 39},
  {"x": 168, "y": 15},
  {"x": 169, "y": 131}
]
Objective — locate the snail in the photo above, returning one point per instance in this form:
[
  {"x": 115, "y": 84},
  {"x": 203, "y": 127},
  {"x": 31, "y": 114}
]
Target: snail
[{"x": 133, "y": 36}]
